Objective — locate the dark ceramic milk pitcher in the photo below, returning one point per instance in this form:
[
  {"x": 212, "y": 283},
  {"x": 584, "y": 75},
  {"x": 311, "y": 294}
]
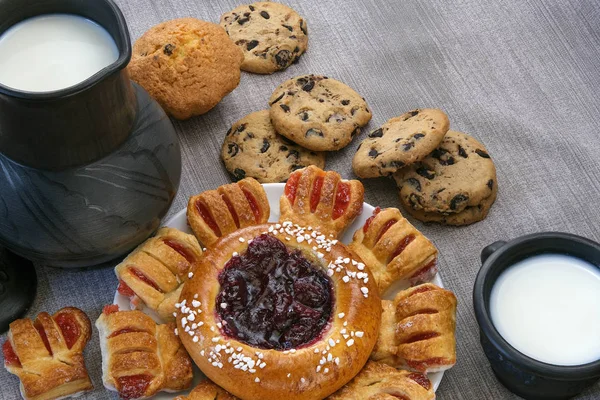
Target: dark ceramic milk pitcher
[{"x": 86, "y": 172}]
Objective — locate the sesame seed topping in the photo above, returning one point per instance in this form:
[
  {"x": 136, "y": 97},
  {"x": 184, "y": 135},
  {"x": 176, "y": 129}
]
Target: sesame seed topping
[
  {"x": 195, "y": 339},
  {"x": 224, "y": 305},
  {"x": 359, "y": 334},
  {"x": 341, "y": 315},
  {"x": 235, "y": 254},
  {"x": 331, "y": 342},
  {"x": 196, "y": 303},
  {"x": 350, "y": 342},
  {"x": 190, "y": 275},
  {"x": 326, "y": 370},
  {"x": 242, "y": 240},
  {"x": 346, "y": 279},
  {"x": 257, "y": 379}
]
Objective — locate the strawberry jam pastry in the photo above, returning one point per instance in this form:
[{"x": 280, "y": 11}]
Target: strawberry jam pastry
[
  {"x": 273, "y": 298},
  {"x": 216, "y": 213},
  {"x": 139, "y": 357},
  {"x": 321, "y": 199},
  {"x": 417, "y": 331},
  {"x": 47, "y": 354},
  {"x": 279, "y": 311},
  {"x": 394, "y": 250},
  {"x": 153, "y": 274}
]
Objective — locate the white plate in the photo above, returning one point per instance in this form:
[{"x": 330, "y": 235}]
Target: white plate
[{"x": 274, "y": 192}]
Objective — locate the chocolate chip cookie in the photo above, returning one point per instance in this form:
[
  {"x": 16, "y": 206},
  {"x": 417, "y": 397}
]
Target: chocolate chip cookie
[
  {"x": 271, "y": 35},
  {"x": 317, "y": 112},
  {"x": 252, "y": 148},
  {"x": 399, "y": 142},
  {"x": 457, "y": 175},
  {"x": 187, "y": 65},
  {"x": 469, "y": 215}
]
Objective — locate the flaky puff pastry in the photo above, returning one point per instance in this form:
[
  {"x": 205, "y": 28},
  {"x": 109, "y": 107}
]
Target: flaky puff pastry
[
  {"x": 312, "y": 371},
  {"x": 216, "y": 213},
  {"x": 418, "y": 330},
  {"x": 394, "y": 250},
  {"x": 379, "y": 381},
  {"x": 206, "y": 390},
  {"x": 321, "y": 199},
  {"x": 154, "y": 273},
  {"x": 139, "y": 357},
  {"x": 47, "y": 354}
]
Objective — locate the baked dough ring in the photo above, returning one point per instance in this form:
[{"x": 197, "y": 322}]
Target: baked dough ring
[
  {"x": 216, "y": 213},
  {"x": 47, "y": 354},
  {"x": 417, "y": 330},
  {"x": 395, "y": 251},
  {"x": 321, "y": 199},
  {"x": 379, "y": 381},
  {"x": 312, "y": 371}
]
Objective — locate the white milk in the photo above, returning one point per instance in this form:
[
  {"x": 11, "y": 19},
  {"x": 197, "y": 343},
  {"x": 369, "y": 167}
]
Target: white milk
[
  {"x": 548, "y": 307},
  {"x": 53, "y": 51}
]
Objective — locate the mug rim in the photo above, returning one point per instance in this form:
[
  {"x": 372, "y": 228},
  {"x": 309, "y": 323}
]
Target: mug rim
[
  {"x": 120, "y": 63},
  {"x": 553, "y": 371}
]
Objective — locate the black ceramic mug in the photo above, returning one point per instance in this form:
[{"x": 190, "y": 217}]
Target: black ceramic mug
[
  {"x": 86, "y": 172},
  {"x": 523, "y": 375}
]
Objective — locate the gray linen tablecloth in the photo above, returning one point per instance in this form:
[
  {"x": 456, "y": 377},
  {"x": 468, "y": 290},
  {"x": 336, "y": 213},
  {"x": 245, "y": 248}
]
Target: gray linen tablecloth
[{"x": 521, "y": 76}]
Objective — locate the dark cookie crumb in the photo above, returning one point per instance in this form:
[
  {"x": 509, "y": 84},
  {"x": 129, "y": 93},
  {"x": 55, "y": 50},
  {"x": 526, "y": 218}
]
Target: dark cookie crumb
[
  {"x": 415, "y": 183},
  {"x": 314, "y": 132},
  {"x": 345, "y": 102},
  {"x": 284, "y": 107},
  {"x": 277, "y": 99},
  {"x": 242, "y": 21},
  {"x": 308, "y": 86},
  {"x": 408, "y": 146},
  {"x": 283, "y": 58},
  {"x": 251, "y": 44},
  {"x": 241, "y": 128},
  {"x": 490, "y": 184},
  {"x": 459, "y": 198},
  {"x": 482, "y": 153},
  {"x": 265, "y": 15},
  {"x": 293, "y": 153},
  {"x": 462, "y": 152},
  {"x": 373, "y": 153},
  {"x": 376, "y": 133},
  {"x": 251, "y": 8},
  {"x": 415, "y": 200},
  {"x": 168, "y": 50},
  {"x": 265, "y": 146},
  {"x": 425, "y": 173},
  {"x": 289, "y": 28},
  {"x": 232, "y": 149},
  {"x": 418, "y": 136},
  {"x": 239, "y": 174}
]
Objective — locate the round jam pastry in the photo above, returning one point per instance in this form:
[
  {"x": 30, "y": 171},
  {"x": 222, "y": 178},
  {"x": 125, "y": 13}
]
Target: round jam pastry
[{"x": 277, "y": 310}]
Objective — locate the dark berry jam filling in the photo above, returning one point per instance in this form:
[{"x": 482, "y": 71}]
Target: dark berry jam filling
[{"x": 272, "y": 298}]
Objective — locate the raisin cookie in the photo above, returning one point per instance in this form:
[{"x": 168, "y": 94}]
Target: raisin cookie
[
  {"x": 271, "y": 35},
  {"x": 317, "y": 112},
  {"x": 252, "y": 148},
  {"x": 187, "y": 65},
  {"x": 399, "y": 142},
  {"x": 457, "y": 175}
]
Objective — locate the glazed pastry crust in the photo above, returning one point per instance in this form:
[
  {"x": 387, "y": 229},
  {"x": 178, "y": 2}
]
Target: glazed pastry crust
[
  {"x": 379, "y": 381},
  {"x": 133, "y": 344},
  {"x": 418, "y": 330},
  {"x": 290, "y": 374},
  {"x": 52, "y": 372},
  {"x": 323, "y": 218},
  {"x": 156, "y": 270},
  {"x": 206, "y": 390},
  {"x": 396, "y": 253},
  {"x": 230, "y": 207}
]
